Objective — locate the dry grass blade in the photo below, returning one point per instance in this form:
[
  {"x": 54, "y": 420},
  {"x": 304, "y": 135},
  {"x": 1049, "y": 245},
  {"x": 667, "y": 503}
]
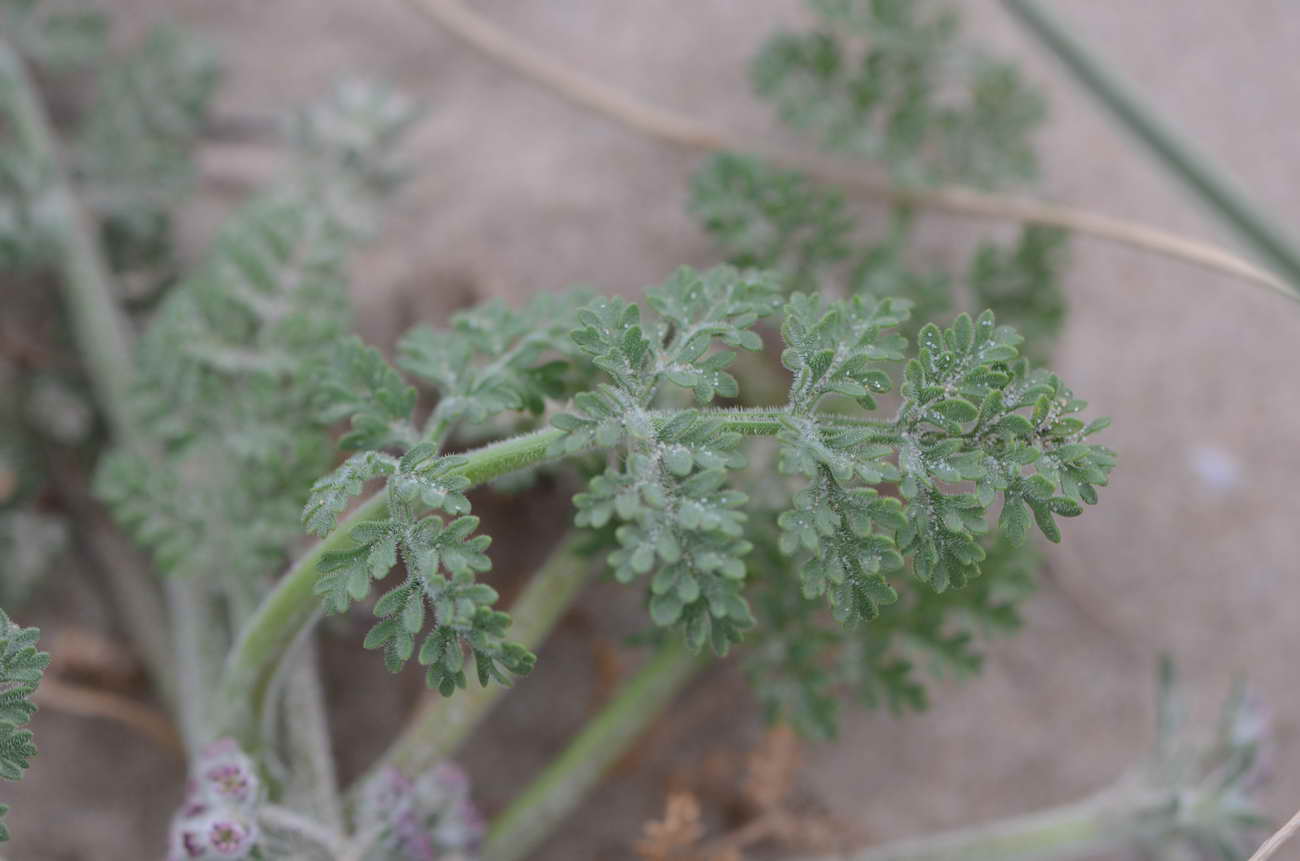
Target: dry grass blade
[
  {"x": 467, "y": 25},
  {"x": 74, "y": 699},
  {"x": 1274, "y": 843}
]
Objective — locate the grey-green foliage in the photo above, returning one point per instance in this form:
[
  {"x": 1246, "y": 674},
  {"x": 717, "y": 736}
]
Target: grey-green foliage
[
  {"x": 134, "y": 156},
  {"x": 53, "y": 34},
  {"x": 21, "y": 668},
  {"x": 31, "y": 542},
  {"x": 802, "y": 664},
  {"x": 974, "y": 423},
  {"x": 896, "y": 83},
  {"x": 857, "y": 498},
  {"x": 1022, "y": 284},
  {"x": 56, "y": 38},
  {"x": 491, "y": 360},
  {"x": 892, "y": 80},
  {"x": 40, "y": 413},
  {"x": 1213, "y": 781},
  {"x": 776, "y": 218},
  {"x": 771, "y": 218},
  {"x": 130, "y": 155},
  {"x": 227, "y": 372},
  {"x": 678, "y": 518}
]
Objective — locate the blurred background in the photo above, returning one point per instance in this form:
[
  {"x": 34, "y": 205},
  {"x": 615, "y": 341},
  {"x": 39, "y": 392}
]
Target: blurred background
[{"x": 514, "y": 190}]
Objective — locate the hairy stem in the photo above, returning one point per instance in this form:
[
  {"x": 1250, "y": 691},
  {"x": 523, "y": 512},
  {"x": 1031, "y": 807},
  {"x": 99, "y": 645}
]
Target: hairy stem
[
  {"x": 103, "y": 338},
  {"x": 558, "y": 790},
  {"x": 1268, "y": 238},
  {"x": 1107, "y": 821},
  {"x": 198, "y": 648},
  {"x": 288, "y": 822},
  {"x": 441, "y": 724},
  {"x": 313, "y": 786},
  {"x": 102, "y": 333},
  {"x": 291, "y": 604}
]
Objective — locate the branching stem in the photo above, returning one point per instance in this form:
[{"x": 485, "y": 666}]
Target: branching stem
[{"x": 289, "y": 607}]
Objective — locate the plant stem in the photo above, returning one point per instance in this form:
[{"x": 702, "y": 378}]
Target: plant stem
[
  {"x": 292, "y": 603},
  {"x": 1268, "y": 239},
  {"x": 558, "y": 790},
  {"x": 102, "y": 332},
  {"x": 466, "y": 24},
  {"x": 440, "y": 724},
  {"x": 1111, "y": 819},
  {"x": 313, "y": 786},
  {"x": 198, "y": 650},
  {"x": 103, "y": 338},
  {"x": 290, "y": 822},
  {"x": 289, "y": 607}
]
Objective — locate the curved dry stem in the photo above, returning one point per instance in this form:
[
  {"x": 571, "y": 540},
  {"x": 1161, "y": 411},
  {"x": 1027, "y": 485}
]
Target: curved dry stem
[
  {"x": 1274, "y": 843},
  {"x": 468, "y": 26},
  {"x": 58, "y": 695}
]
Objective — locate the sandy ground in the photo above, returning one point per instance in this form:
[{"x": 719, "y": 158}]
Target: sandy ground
[{"x": 1193, "y": 550}]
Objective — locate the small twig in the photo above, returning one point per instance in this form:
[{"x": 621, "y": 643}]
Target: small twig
[
  {"x": 1274, "y": 843},
  {"x": 76, "y": 699},
  {"x": 459, "y": 20}
]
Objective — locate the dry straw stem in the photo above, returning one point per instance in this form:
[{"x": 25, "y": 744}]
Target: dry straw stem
[
  {"x": 1274, "y": 843},
  {"x": 58, "y": 695},
  {"x": 467, "y": 25}
]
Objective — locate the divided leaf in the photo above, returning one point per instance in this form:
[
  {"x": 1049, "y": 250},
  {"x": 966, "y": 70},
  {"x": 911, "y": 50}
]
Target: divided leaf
[
  {"x": 359, "y": 385},
  {"x": 495, "y": 359},
  {"x": 21, "y": 667}
]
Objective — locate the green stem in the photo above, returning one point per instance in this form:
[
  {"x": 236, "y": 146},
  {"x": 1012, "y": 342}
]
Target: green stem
[
  {"x": 1268, "y": 239},
  {"x": 290, "y": 605},
  {"x": 558, "y": 790},
  {"x": 1102, "y": 823},
  {"x": 440, "y": 725}
]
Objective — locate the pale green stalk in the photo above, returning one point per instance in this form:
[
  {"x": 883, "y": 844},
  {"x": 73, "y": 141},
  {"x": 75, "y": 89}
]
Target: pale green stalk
[
  {"x": 102, "y": 333},
  {"x": 313, "y": 785},
  {"x": 289, "y": 607},
  {"x": 103, "y": 338},
  {"x": 558, "y": 790},
  {"x": 1106, "y": 822}
]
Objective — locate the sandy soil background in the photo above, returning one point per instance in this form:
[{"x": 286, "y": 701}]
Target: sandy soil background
[{"x": 517, "y": 191}]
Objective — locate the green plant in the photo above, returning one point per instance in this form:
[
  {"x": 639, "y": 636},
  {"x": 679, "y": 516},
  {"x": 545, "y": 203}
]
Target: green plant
[{"x": 871, "y": 520}]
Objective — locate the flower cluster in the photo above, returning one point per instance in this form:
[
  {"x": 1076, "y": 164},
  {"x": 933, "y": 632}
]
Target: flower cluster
[
  {"x": 218, "y": 818},
  {"x": 421, "y": 819}
]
